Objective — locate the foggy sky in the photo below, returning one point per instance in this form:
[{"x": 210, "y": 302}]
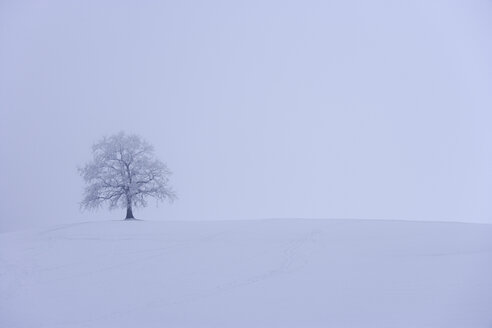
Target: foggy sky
[{"x": 262, "y": 109}]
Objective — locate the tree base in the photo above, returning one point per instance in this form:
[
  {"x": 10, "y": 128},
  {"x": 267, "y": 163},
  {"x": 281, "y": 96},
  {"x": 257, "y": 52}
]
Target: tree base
[{"x": 129, "y": 214}]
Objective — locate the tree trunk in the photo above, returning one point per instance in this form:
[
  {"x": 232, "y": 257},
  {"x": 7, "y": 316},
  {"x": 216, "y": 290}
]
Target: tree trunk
[{"x": 129, "y": 213}]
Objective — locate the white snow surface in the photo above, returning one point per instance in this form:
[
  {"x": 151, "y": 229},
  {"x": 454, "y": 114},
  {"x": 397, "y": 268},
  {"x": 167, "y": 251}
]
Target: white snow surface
[{"x": 258, "y": 273}]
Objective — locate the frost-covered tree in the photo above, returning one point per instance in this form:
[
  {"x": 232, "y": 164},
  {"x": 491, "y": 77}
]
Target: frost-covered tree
[{"x": 124, "y": 173}]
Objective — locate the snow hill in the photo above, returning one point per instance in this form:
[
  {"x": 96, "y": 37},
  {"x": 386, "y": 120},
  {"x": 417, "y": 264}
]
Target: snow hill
[{"x": 268, "y": 273}]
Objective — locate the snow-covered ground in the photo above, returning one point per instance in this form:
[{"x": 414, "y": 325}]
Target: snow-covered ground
[{"x": 266, "y": 273}]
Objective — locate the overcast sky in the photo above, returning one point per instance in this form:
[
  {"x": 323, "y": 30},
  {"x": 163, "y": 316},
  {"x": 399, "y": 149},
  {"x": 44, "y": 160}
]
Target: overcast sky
[{"x": 314, "y": 109}]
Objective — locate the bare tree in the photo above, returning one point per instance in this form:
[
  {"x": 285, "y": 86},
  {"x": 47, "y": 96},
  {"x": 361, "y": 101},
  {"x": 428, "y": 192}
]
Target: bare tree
[{"x": 124, "y": 173}]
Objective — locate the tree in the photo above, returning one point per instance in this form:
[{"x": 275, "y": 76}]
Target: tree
[{"x": 124, "y": 173}]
